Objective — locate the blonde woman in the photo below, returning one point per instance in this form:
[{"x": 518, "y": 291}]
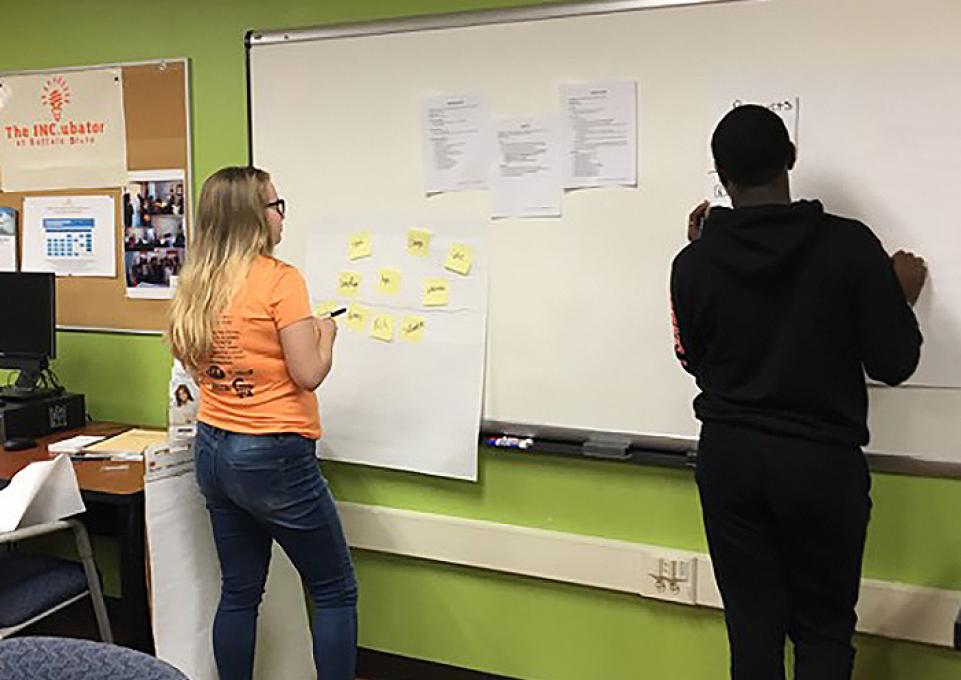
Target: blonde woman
[{"x": 241, "y": 322}]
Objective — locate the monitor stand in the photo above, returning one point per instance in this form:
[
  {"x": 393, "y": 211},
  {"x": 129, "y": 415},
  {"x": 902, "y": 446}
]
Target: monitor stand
[{"x": 28, "y": 385}]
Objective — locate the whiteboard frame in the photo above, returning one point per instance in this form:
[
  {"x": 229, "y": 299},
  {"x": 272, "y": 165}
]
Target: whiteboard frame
[
  {"x": 464, "y": 19},
  {"x": 664, "y": 448}
]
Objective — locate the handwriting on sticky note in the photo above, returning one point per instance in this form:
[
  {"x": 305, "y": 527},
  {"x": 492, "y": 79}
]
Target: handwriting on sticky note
[
  {"x": 412, "y": 328},
  {"x": 418, "y": 242},
  {"x": 383, "y": 327},
  {"x": 348, "y": 284},
  {"x": 324, "y": 307},
  {"x": 388, "y": 281},
  {"x": 459, "y": 258},
  {"x": 358, "y": 245},
  {"x": 436, "y": 292},
  {"x": 357, "y": 318}
]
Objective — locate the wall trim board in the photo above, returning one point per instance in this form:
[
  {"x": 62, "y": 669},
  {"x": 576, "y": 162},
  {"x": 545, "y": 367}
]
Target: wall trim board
[{"x": 887, "y": 609}]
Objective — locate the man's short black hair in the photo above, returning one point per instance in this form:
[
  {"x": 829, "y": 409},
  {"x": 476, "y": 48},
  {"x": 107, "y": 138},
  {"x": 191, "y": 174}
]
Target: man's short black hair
[{"x": 751, "y": 146}]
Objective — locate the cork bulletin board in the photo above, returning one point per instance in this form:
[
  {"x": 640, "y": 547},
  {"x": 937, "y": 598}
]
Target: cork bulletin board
[{"x": 156, "y": 112}]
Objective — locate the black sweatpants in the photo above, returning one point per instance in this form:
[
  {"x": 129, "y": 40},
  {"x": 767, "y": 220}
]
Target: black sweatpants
[{"x": 785, "y": 521}]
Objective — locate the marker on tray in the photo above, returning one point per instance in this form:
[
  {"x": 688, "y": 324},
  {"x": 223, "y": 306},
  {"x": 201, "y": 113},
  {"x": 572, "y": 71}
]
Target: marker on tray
[{"x": 508, "y": 442}]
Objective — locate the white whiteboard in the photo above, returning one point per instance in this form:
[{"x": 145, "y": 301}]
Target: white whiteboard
[{"x": 579, "y": 332}]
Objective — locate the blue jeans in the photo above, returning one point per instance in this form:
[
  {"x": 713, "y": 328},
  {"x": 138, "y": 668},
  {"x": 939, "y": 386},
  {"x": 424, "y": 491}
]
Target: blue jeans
[{"x": 262, "y": 488}]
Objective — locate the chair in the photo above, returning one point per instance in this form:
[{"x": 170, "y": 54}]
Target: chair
[
  {"x": 33, "y": 587},
  {"x": 52, "y": 658}
]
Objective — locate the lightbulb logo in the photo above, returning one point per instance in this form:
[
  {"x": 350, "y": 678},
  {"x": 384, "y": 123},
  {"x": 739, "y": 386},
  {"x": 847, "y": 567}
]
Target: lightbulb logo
[{"x": 56, "y": 95}]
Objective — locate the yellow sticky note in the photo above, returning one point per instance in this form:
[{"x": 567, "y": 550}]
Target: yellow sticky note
[
  {"x": 324, "y": 307},
  {"x": 436, "y": 293},
  {"x": 356, "y": 318},
  {"x": 348, "y": 284},
  {"x": 388, "y": 281},
  {"x": 412, "y": 328},
  {"x": 358, "y": 245},
  {"x": 383, "y": 327},
  {"x": 459, "y": 258},
  {"x": 418, "y": 242}
]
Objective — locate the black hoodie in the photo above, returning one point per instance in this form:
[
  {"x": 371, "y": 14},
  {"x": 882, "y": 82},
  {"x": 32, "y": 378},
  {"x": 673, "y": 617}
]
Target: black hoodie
[{"x": 779, "y": 310}]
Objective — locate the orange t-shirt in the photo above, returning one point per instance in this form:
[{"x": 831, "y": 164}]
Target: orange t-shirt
[{"x": 245, "y": 386}]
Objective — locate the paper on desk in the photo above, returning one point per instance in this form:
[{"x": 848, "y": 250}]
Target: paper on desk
[
  {"x": 41, "y": 492},
  {"x": 74, "y": 444},
  {"x": 131, "y": 441}
]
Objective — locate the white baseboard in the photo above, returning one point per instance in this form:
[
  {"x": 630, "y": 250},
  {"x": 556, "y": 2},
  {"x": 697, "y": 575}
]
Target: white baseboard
[{"x": 892, "y": 610}]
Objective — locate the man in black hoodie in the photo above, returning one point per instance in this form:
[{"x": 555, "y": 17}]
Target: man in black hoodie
[{"x": 779, "y": 311}]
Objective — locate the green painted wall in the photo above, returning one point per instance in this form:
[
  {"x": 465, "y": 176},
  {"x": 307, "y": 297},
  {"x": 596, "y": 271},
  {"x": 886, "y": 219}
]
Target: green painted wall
[
  {"x": 124, "y": 377},
  {"x": 534, "y": 629},
  {"x": 503, "y": 624}
]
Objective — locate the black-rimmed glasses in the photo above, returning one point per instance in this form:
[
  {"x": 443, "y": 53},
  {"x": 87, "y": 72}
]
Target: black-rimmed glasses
[{"x": 280, "y": 205}]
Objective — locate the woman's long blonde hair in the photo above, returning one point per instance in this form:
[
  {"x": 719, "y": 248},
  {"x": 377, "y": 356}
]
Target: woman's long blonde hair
[{"x": 230, "y": 231}]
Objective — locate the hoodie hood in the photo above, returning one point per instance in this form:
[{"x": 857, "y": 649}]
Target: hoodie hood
[{"x": 763, "y": 241}]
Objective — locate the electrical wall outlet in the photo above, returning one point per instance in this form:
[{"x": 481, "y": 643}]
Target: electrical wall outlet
[{"x": 669, "y": 576}]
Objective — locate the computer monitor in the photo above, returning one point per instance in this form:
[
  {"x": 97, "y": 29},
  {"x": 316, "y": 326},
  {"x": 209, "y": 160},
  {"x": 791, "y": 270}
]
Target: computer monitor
[{"x": 28, "y": 338}]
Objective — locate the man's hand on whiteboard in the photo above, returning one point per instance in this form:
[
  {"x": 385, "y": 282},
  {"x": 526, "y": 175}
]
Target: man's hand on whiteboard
[
  {"x": 696, "y": 220},
  {"x": 912, "y": 271}
]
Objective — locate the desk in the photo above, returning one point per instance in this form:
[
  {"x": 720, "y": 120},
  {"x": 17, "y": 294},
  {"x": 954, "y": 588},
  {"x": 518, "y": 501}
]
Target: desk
[{"x": 113, "y": 493}]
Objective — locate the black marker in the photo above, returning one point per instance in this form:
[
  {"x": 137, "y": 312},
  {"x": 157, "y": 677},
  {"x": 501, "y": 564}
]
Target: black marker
[{"x": 331, "y": 315}]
